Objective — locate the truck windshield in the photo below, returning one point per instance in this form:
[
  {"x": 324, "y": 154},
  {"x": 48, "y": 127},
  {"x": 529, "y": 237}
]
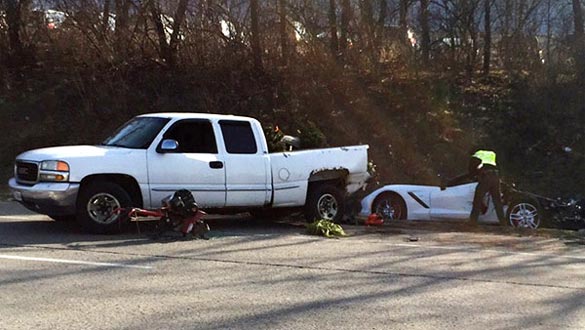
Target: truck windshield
[{"x": 138, "y": 133}]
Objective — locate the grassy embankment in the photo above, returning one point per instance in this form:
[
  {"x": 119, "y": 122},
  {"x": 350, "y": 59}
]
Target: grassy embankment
[{"x": 416, "y": 125}]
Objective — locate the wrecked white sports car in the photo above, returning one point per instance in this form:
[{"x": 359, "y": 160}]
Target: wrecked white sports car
[{"x": 419, "y": 202}]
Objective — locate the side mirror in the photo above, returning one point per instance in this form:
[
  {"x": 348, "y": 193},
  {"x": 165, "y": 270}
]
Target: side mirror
[{"x": 168, "y": 145}]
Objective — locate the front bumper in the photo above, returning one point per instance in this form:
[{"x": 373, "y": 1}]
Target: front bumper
[{"x": 51, "y": 198}]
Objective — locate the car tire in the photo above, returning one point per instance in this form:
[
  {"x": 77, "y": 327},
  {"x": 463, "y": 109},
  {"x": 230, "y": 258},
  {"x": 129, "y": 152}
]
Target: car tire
[
  {"x": 524, "y": 213},
  {"x": 324, "y": 201},
  {"x": 95, "y": 204},
  {"x": 390, "y": 206}
]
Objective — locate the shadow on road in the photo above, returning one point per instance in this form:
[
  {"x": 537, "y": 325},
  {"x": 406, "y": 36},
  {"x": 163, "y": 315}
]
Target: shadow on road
[{"x": 19, "y": 226}]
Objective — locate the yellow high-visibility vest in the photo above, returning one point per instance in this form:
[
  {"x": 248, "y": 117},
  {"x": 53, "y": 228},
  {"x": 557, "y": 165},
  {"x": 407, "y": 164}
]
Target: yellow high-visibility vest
[{"x": 487, "y": 157}]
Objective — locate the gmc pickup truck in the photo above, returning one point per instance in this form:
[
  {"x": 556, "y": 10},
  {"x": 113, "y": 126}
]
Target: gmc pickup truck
[{"x": 222, "y": 159}]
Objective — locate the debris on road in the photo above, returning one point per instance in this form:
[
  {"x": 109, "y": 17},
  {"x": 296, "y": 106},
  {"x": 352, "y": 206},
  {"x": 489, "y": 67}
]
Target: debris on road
[
  {"x": 325, "y": 228},
  {"x": 374, "y": 220}
]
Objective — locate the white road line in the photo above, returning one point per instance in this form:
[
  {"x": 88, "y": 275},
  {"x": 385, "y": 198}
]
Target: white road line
[{"x": 76, "y": 262}]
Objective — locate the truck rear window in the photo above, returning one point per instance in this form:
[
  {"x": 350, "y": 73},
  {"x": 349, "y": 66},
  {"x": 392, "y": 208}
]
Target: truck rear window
[{"x": 238, "y": 137}]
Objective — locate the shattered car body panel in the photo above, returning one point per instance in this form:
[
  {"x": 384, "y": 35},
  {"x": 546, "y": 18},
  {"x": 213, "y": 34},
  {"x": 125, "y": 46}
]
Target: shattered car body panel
[
  {"x": 431, "y": 203},
  {"x": 292, "y": 171}
]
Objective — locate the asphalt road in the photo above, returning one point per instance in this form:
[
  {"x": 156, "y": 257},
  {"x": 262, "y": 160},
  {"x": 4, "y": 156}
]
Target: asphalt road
[{"x": 273, "y": 276}]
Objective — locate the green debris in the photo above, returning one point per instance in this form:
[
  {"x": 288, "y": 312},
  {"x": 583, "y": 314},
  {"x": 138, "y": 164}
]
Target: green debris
[{"x": 325, "y": 228}]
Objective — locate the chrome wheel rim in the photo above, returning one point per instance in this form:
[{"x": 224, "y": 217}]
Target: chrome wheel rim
[
  {"x": 100, "y": 208},
  {"x": 327, "y": 207},
  {"x": 387, "y": 210},
  {"x": 524, "y": 215}
]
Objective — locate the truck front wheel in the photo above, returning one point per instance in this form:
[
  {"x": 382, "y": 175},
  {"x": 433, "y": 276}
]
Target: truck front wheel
[
  {"x": 95, "y": 206},
  {"x": 324, "y": 201}
]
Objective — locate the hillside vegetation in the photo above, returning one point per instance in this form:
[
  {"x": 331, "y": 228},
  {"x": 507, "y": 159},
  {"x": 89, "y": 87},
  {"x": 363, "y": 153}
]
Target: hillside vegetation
[{"x": 420, "y": 116}]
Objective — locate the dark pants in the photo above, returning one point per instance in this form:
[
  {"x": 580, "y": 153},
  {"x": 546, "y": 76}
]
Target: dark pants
[{"x": 488, "y": 181}]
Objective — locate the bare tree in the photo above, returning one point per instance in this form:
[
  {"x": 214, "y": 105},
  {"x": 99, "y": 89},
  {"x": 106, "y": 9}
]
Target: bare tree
[
  {"x": 367, "y": 28},
  {"x": 469, "y": 31},
  {"x": 521, "y": 21},
  {"x": 255, "y": 34},
  {"x": 383, "y": 13},
  {"x": 508, "y": 11},
  {"x": 283, "y": 28},
  {"x": 14, "y": 21},
  {"x": 403, "y": 14},
  {"x": 346, "y": 14},
  {"x": 334, "y": 42},
  {"x": 106, "y": 18},
  {"x": 177, "y": 26},
  {"x": 425, "y": 31},
  {"x": 367, "y": 12},
  {"x": 168, "y": 44},
  {"x": 121, "y": 29},
  {"x": 578, "y": 17},
  {"x": 159, "y": 26},
  {"x": 579, "y": 40},
  {"x": 487, "y": 42}
]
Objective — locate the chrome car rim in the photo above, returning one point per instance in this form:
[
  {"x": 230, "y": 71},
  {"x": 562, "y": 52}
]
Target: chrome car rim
[
  {"x": 387, "y": 210},
  {"x": 524, "y": 215},
  {"x": 327, "y": 207},
  {"x": 101, "y": 206}
]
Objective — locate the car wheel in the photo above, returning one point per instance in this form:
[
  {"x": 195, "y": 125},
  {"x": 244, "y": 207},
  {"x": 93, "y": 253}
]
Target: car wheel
[
  {"x": 524, "y": 214},
  {"x": 96, "y": 204},
  {"x": 389, "y": 206},
  {"x": 324, "y": 202}
]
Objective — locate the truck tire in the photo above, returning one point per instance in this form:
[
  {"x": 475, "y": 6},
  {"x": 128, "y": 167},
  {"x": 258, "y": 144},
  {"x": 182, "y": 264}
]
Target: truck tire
[
  {"x": 324, "y": 201},
  {"x": 95, "y": 204}
]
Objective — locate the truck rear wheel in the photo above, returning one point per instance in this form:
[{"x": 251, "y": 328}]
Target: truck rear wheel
[
  {"x": 324, "y": 201},
  {"x": 96, "y": 204}
]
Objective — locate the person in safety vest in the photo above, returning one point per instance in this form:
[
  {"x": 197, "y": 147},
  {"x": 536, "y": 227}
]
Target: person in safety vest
[{"x": 483, "y": 166}]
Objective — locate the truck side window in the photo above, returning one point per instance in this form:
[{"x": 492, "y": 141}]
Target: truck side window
[
  {"x": 238, "y": 136},
  {"x": 194, "y": 136}
]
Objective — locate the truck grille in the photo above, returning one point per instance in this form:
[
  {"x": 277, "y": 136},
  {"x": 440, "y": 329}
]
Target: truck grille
[{"x": 27, "y": 172}]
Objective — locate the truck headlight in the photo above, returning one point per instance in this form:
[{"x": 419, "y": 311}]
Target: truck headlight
[
  {"x": 54, "y": 171},
  {"x": 54, "y": 165}
]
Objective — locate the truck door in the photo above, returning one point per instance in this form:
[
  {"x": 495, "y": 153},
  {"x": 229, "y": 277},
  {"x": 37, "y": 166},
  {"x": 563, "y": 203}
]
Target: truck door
[
  {"x": 195, "y": 165},
  {"x": 248, "y": 178}
]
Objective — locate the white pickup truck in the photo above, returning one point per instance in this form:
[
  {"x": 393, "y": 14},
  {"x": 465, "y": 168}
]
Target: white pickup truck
[{"x": 222, "y": 159}]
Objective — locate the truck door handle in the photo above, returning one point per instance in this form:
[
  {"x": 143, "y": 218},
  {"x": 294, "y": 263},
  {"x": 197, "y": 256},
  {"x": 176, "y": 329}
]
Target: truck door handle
[{"x": 216, "y": 164}]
